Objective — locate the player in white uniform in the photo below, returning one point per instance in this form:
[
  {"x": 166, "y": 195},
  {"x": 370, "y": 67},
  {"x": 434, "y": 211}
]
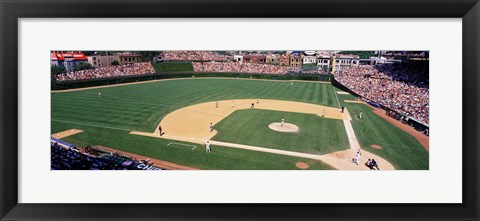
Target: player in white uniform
[
  {"x": 324, "y": 113},
  {"x": 283, "y": 121},
  {"x": 291, "y": 83},
  {"x": 233, "y": 103},
  {"x": 357, "y": 157},
  {"x": 207, "y": 147},
  {"x": 99, "y": 94},
  {"x": 360, "y": 115}
]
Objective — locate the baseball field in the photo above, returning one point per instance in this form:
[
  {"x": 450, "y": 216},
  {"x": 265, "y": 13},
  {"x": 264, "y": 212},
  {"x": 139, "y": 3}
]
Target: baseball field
[{"x": 315, "y": 135}]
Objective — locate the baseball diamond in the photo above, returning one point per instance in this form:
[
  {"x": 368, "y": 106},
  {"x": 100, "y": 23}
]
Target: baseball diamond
[{"x": 195, "y": 121}]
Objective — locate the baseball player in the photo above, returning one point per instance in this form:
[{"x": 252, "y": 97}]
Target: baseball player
[
  {"x": 257, "y": 100},
  {"x": 233, "y": 103},
  {"x": 211, "y": 127},
  {"x": 160, "y": 129},
  {"x": 207, "y": 147},
  {"x": 374, "y": 164},
  {"x": 360, "y": 115},
  {"x": 357, "y": 158},
  {"x": 291, "y": 83},
  {"x": 283, "y": 121},
  {"x": 99, "y": 94},
  {"x": 216, "y": 104},
  {"x": 324, "y": 113},
  {"x": 253, "y": 105}
]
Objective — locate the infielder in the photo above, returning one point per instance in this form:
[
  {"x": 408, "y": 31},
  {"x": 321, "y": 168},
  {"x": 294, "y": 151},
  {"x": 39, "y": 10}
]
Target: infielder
[
  {"x": 283, "y": 121},
  {"x": 211, "y": 127},
  {"x": 207, "y": 147},
  {"x": 324, "y": 113},
  {"x": 216, "y": 104},
  {"x": 257, "y": 100},
  {"x": 233, "y": 103}
]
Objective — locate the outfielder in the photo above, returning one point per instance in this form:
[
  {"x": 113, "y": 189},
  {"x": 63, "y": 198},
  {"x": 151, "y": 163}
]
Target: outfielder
[{"x": 99, "y": 94}]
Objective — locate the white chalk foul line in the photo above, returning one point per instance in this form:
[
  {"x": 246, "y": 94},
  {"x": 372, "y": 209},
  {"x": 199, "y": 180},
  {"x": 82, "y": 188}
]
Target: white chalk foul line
[
  {"x": 188, "y": 145},
  {"x": 336, "y": 95},
  {"x": 91, "y": 125}
]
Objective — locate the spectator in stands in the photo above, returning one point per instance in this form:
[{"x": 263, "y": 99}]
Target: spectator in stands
[
  {"x": 140, "y": 68},
  {"x": 402, "y": 87}
]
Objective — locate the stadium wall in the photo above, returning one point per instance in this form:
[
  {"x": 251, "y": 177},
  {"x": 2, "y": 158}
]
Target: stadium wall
[{"x": 64, "y": 85}]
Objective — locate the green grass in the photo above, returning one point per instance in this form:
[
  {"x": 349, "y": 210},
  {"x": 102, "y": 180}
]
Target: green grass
[
  {"x": 220, "y": 158},
  {"x": 140, "y": 107},
  {"x": 107, "y": 120},
  {"x": 317, "y": 135},
  {"x": 398, "y": 147},
  {"x": 173, "y": 67}
]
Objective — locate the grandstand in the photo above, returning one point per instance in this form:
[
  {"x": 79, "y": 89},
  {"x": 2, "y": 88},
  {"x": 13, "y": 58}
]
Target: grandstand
[
  {"x": 65, "y": 156},
  {"x": 402, "y": 87}
]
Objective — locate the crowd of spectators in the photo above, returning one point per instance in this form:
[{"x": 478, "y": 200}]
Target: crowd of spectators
[
  {"x": 73, "y": 159},
  {"x": 88, "y": 158},
  {"x": 400, "y": 86},
  {"x": 238, "y": 67},
  {"x": 195, "y": 56},
  {"x": 140, "y": 68}
]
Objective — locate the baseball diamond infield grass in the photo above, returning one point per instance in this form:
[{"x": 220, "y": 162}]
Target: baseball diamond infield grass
[
  {"x": 316, "y": 135},
  {"x": 108, "y": 119}
]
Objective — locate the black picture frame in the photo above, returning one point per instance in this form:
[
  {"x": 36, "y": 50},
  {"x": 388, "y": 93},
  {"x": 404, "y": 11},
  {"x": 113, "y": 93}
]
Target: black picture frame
[{"x": 11, "y": 11}]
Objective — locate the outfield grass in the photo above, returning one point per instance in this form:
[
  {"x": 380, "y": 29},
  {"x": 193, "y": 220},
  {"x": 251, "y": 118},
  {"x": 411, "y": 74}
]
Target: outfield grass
[
  {"x": 140, "y": 107},
  {"x": 173, "y": 67},
  {"x": 317, "y": 135},
  {"x": 400, "y": 148}
]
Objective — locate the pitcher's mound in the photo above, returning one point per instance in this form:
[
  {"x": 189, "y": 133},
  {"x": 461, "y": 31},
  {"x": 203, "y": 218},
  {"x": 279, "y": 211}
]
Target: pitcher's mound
[
  {"x": 285, "y": 128},
  {"x": 378, "y": 147}
]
